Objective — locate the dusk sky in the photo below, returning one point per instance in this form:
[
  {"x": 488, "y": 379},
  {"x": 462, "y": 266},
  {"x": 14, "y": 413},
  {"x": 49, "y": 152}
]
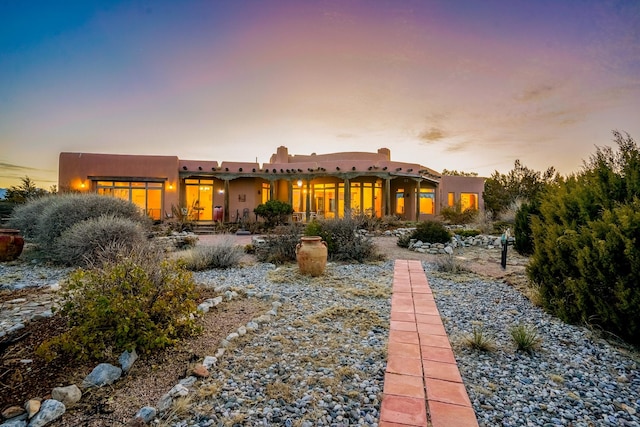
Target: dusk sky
[{"x": 451, "y": 84}]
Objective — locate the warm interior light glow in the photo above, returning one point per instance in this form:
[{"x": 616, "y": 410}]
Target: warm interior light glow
[{"x": 82, "y": 185}]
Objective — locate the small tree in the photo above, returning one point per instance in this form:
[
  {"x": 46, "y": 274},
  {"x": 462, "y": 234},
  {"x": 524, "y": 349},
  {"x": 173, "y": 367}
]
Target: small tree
[
  {"x": 25, "y": 191},
  {"x": 274, "y": 212}
]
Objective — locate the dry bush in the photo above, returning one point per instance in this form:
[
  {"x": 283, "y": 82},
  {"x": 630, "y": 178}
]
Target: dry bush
[
  {"x": 104, "y": 238},
  {"x": 224, "y": 254}
]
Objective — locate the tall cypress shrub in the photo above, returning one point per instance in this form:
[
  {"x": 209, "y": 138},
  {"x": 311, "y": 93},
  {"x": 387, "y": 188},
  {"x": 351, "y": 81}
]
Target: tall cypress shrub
[{"x": 586, "y": 255}]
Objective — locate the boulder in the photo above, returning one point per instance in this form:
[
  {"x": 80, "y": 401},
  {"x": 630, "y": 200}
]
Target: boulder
[
  {"x": 102, "y": 374},
  {"x": 50, "y": 410},
  {"x": 126, "y": 360},
  {"x": 67, "y": 395}
]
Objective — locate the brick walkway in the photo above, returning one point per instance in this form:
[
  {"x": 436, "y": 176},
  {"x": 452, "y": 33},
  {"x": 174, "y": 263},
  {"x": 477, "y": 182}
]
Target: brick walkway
[{"x": 422, "y": 384}]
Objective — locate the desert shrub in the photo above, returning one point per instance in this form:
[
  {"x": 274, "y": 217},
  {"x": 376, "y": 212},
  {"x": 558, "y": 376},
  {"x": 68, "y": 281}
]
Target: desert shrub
[
  {"x": 66, "y": 210},
  {"x": 522, "y": 227},
  {"x": 431, "y": 232},
  {"x": 450, "y": 264},
  {"x": 25, "y": 216},
  {"x": 525, "y": 337},
  {"x": 280, "y": 247},
  {"x": 478, "y": 339},
  {"x": 181, "y": 219},
  {"x": 138, "y": 302},
  {"x": 455, "y": 214},
  {"x": 404, "y": 240},
  {"x": 223, "y": 254},
  {"x": 104, "y": 238},
  {"x": 500, "y": 227},
  {"x": 274, "y": 212},
  {"x": 468, "y": 232},
  {"x": 344, "y": 242},
  {"x": 483, "y": 222},
  {"x": 586, "y": 259}
]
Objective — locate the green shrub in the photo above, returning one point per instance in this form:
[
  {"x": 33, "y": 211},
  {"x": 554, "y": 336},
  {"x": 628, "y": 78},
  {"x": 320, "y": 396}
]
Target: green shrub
[
  {"x": 525, "y": 337},
  {"x": 431, "y": 232},
  {"x": 467, "y": 232},
  {"x": 586, "y": 258},
  {"x": 455, "y": 214},
  {"x": 404, "y": 240},
  {"x": 522, "y": 228},
  {"x": 139, "y": 302},
  {"x": 344, "y": 242},
  {"x": 274, "y": 212},
  {"x": 97, "y": 240},
  {"x": 25, "y": 216},
  {"x": 279, "y": 248},
  {"x": 66, "y": 210},
  {"x": 223, "y": 254}
]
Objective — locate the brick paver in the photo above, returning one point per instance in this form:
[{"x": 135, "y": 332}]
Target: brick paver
[{"x": 422, "y": 383}]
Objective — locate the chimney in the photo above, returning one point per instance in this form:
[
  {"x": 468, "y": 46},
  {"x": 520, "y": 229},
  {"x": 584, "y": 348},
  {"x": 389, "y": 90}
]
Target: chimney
[{"x": 385, "y": 152}]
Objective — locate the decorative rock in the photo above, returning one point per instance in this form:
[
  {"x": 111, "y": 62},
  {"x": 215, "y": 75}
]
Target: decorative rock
[
  {"x": 12, "y": 411},
  {"x": 232, "y": 336},
  {"x": 67, "y": 395},
  {"x": 50, "y": 410},
  {"x": 178, "y": 390},
  {"x": 252, "y": 326},
  {"x": 102, "y": 374},
  {"x": 126, "y": 360},
  {"x": 200, "y": 371},
  {"x": 32, "y": 407},
  {"x": 146, "y": 414},
  {"x": 448, "y": 250},
  {"x": 15, "y": 422},
  {"x": 165, "y": 402},
  {"x": 242, "y": 330},
  {"x": 204, "y": 307},
  {"x": 188, "y": 382},
  {"x": 209, "y": 361}
]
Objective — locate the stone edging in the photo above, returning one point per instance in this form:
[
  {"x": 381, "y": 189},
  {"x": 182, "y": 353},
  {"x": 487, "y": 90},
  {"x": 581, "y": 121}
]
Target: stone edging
[{"x": 38, "y": 413}]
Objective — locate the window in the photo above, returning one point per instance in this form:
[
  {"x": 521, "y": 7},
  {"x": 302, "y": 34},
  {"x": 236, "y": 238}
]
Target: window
[
  {"x": 265, "y": 192},
  {"x": 451, "y": 199},
  {"x": 468, "y": 201},
  {"x": 400, "y": 201},
  {"x": 199, "y": 198},
  {"x": 146, "y": 195},
  {"x": 427, "y": 200}
]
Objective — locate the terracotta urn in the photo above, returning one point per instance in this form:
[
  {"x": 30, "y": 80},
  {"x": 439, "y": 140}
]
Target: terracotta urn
[
  {"x": 11, "y": 244},
  {"x": 311, "y": 254}
]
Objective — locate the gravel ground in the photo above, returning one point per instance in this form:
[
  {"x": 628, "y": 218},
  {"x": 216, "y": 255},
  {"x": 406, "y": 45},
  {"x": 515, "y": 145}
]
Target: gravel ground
[
  {"x": 573, "y": 379},
  {"x": 321, "y": 361}
]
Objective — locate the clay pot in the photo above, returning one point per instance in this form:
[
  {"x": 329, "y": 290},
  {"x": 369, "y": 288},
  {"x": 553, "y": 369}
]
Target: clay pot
[
  {"x": 311, "y": 254},
  {"x": 11, "y": 244}
]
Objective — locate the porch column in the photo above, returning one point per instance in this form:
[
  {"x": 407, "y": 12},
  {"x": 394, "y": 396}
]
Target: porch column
[
  {"x": 226, "y": 200},
  {"x": 418, "y": 199},
  {"x": 347, "y": 198},
  {"x": 290, "y": 191},
  {"x": 307, "y": 211},
  {"x": 386, "y": 196},
  {"x": 272, "y": 190}
]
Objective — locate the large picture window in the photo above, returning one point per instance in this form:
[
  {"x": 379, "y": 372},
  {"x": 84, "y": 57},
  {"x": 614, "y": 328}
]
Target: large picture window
[
  {"x": 427, "y": 201},
  {"x": 468, "y": 201},
  {"x": 146, "y": 195}
]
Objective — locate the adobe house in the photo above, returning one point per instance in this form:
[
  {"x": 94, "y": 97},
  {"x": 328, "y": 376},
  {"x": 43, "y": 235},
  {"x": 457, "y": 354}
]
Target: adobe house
[{"x": 316, "y": 185}]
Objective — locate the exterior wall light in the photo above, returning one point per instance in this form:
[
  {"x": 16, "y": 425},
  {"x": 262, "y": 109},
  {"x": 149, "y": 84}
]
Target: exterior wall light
[
  {"x": 299, "y": 183},
  {"x": 170, "y": 186}
]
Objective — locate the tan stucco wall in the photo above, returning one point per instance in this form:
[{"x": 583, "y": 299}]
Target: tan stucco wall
[
  {"x": 76, "y": 169},
  {"x": 461, "y": 184}
]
